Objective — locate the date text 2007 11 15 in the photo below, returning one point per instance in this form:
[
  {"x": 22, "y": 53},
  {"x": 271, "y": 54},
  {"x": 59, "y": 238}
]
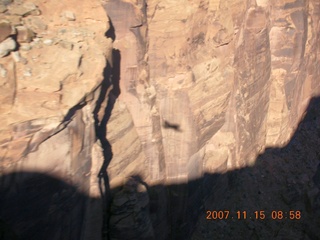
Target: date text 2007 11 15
[{"x": 258, "y": 215}]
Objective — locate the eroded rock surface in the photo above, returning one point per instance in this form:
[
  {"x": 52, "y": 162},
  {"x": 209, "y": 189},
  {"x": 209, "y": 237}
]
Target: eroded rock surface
[
  {"x": 179, "y": 93},
  {"x": 226, "y": 79},
  {"x": 48, "y": 94}
]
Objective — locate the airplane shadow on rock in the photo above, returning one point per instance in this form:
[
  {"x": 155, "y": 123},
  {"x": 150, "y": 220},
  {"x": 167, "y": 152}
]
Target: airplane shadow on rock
[{"x": 278, "y": 198}]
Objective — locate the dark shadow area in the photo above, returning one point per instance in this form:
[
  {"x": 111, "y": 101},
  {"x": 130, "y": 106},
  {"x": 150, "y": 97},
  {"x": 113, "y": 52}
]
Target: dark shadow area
[
  {"x": 38, "y": 206},
  {"x": 111, "y": 31},
  {"x": 278, "y": 198},
  {"x": 109, "y": 92},
  {"x": 130, "y": 211},
  {"x": 172, "y": 126},
  {"x": 72, "y": 111}
]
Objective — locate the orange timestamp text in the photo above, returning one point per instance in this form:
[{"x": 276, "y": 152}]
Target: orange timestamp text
[{"x": 258, "y": 215}]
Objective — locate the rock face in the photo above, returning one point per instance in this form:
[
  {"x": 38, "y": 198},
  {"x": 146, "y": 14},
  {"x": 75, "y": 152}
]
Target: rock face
[
  {"x": 174, "y": 93},
  {"x": 230, "y": 77},
  {"x": 217, "y": 69},
  {"x": 48, "y": 140}
]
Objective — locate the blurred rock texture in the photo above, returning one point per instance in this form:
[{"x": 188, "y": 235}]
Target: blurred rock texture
[
  {"x": 93, "y": 93},
  {"x": 50, "y": 81}
]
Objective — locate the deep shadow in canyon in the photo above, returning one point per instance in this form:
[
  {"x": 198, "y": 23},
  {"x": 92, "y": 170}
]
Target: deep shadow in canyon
[{"x": 37, "y": 206}]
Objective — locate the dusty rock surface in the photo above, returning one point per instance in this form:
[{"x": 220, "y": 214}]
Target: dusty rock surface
[{"x": 51, "y": 73}]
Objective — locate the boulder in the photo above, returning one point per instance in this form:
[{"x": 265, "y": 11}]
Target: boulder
[
  {"x": 5, "y": 30},
  {"x": 37, "y": 24},
  {"x": 70, "y": 16},
  {"x": 7, "y": 46},
  {"x": 25, "y": 10},
  {"x": 25, "y": 35}
]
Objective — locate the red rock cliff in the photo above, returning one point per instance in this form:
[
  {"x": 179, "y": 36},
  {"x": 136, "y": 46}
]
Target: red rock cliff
[{"x": 168, "y": 92}]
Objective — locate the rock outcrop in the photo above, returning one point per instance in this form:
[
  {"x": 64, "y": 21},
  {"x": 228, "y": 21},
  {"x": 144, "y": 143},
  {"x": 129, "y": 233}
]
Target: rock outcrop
[
  {"x": 51, "y": 75},
  {"x": 181, "y": 95}
]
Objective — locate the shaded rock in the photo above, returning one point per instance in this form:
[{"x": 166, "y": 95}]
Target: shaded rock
[
  {"x": 290, "y": 195},
  {"x": 130, "y": 214},
  {"x": 312, "y": 231},
  {"x": 7, "y": 46},
  {"x": 25, "y": 35},
  {"x": 6, "y": 231},
  {"x": 5, "y": 30},
  {"x": 309, "y": 199},
  {"x": 286, "y": 234}
]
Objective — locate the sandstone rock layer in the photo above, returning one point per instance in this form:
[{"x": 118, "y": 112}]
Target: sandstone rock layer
[{"x": 137, "y": 111}]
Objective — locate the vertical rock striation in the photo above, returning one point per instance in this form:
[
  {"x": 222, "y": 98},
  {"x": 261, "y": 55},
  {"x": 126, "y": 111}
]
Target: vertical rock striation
[
  {"x": 293, "y": 37},
  {"x": 135, "y": 116},
  {"x": 225, "y": 80}
]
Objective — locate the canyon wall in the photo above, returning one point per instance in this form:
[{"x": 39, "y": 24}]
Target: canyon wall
[
  {"x": 240, "y": 73},
  {"x": 236, "y": 76},
  {"x": 211, "y": 84},
  {"x": 122, "y": 104}
]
